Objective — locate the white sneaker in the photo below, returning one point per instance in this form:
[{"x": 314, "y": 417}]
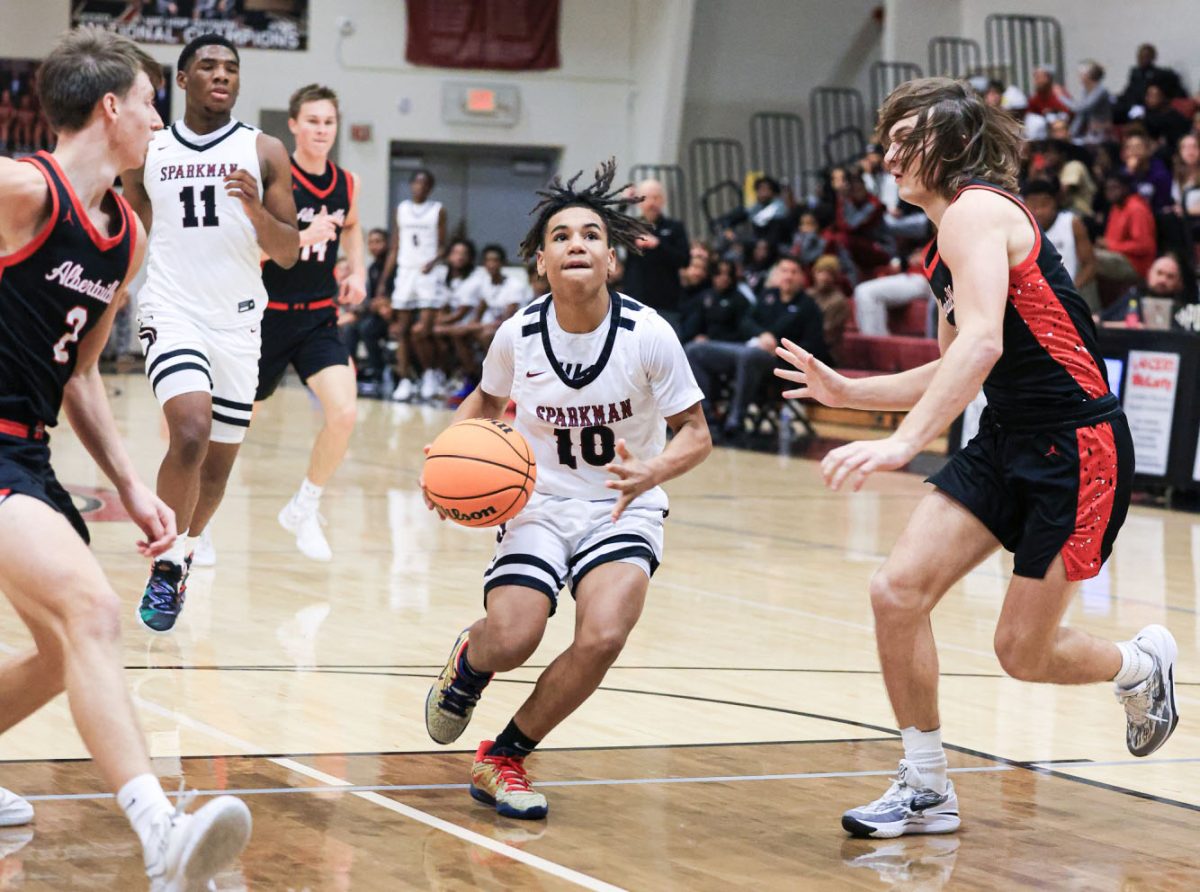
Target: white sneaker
[
  {"x": 429, "y": 384},
  {"x": 907, "y": 807},
  {"x": 187, "y": 850},
  {"x": 1150, "y": 714},
  {"x": 305, "y": 525},
  {"x": 404, "y": 390},
  {"x": 205, "y": 555},
  {"x": 14, "y": 811}
]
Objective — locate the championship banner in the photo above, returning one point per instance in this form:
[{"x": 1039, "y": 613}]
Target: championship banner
[{"x": 247, "y": 24}]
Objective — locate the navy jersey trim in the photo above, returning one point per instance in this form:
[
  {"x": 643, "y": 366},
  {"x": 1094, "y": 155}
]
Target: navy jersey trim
[
  {"x": 614, "y": 325},
  {"x": 216, "y": 142}
]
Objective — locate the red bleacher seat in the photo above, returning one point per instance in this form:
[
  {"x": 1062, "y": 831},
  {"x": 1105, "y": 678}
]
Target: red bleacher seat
[{"x": 865, "y": 355}]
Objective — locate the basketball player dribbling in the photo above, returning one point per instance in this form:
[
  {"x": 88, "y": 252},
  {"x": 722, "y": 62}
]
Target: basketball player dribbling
[
  {"x": 68, "y": 248},
  {"x": 418, "y": 244},
  {"x": 594, "y": 374},
  {"x": 1047, "y": 477},
  {"x": 213, "y": 192},
  {"x": 300, "y": 322}
]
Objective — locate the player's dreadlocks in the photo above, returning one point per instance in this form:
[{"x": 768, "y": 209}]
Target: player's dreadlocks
[{"x": 608, "y": 203}]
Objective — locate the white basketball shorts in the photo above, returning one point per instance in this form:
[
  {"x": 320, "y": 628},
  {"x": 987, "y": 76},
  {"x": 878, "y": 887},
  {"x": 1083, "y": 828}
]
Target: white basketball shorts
[
  {"x": 556, "y": 541},
  {"x": 186, "y": 356},
  {"x": 416, "y": 290}
]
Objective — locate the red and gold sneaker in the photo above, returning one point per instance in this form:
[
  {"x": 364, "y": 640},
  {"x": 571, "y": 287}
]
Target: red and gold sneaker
[{"x": 501, "y": 781}]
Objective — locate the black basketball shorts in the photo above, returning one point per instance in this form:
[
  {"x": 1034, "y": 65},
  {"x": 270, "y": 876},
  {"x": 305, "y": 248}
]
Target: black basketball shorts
[
  {"x": 306, "y": 339},
  {"x": 25, "y": 470},
  {"x": 1047, "y": 493}
]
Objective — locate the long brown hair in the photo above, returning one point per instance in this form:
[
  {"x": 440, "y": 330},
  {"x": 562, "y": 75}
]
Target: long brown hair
[{"x": 957, "y": 137}]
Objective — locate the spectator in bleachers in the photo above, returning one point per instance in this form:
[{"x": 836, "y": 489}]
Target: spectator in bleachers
[
  {"x": 1065, "y": 230},
  {"x": 1078, "y": 187},
  {"x": 1048, "y": 98},
  {"x": 1141, "y": 76},
  {"x": 903, "y": 220},
  {"x": 826, "y": 291},
  {"x": 1161, "y": 120},
  {"x": 873, "y": 298},
  {"x": 1150, "y": 177},
  {"x": 785, "y": 311},
  {"x": 762, "y": 258},
  {"x": 694, "y": 278},
  {"x": 1165, "y": 279},
  {"x": 812, "y": 242},
  {"x": 652, "y": 277},
  {"x": 721, "y": 312},
  {"x": 1185, "y": 190},
  {"x": 858, "y": 226},
  {"x": 1126, "y": 250},
  {"x": 1093, "y": 110},
  {"x": 368, "y": 322},
  {"x": 769, "y": 216},
  {"x": 993, "y": 93}
]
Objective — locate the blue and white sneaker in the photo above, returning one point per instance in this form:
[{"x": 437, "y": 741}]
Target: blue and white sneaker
[
  {"x": 1150, "y": 715},
  {"x": 164, "y": 595},
  {"x": 907, "y": 807}
]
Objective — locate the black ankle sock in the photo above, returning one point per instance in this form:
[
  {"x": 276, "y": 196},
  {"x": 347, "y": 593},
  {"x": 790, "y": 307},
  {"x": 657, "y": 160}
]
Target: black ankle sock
[
  {"x": 470, "y": 674},
  {"x": 513, "y": 743}
]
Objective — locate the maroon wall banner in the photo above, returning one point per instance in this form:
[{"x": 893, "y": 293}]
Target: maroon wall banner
[
  {"x": 511, "y": 35},
  {"x": 253, "y": 24}
]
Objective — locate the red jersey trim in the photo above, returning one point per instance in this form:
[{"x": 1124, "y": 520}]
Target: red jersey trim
[
  {"x": 104, "y": 243},
  {"x": 1083, "y": 553},
  {"x": 304, "y": 181},
  {"x": 127, "y": 210},
  {"x": 40, "y": 238}
]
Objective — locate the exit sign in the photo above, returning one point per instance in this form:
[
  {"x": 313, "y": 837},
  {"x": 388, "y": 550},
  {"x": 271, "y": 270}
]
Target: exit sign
[{"x": 481, "y": 101}]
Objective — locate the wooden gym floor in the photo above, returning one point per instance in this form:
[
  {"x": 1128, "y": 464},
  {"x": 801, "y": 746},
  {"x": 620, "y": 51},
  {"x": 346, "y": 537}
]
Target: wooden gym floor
[{"x": 745, "y": 715}]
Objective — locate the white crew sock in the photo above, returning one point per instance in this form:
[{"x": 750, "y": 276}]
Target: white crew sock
[
  {"x": 1136, "y": 665},
  {"x": 190, "y": 544},
  {"x": 924, "y": 750},
  {"x": 309, "y": 495},
  {"x": 178, "y": 551},
  {"x": 143, "y": 801}
]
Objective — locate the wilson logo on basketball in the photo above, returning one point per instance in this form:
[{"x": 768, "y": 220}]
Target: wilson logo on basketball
[{"x": 462, "y": 516}]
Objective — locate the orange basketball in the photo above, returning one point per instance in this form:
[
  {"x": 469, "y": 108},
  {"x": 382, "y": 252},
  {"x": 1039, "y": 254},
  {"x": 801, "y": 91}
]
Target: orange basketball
[{"x": 480, "y": 472}]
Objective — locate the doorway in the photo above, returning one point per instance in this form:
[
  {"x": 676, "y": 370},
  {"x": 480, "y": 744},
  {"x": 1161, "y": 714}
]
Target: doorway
[{"x": 487, "y": 190}]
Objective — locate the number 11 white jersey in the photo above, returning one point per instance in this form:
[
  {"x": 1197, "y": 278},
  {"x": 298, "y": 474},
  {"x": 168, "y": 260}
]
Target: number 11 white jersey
[
  {"x": 204, "y": 258},
  {"x": 577, "y": 395}
]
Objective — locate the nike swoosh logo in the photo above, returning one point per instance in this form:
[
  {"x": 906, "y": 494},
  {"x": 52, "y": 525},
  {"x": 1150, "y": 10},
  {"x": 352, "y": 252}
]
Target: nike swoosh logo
[{"x": 534, "y": 374}]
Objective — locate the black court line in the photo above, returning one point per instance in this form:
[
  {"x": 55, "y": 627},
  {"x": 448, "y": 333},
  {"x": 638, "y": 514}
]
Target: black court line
[
  {"x": 454, "y": 751},
  {"x": 889, "y": 732},
  {"x": 340, "y": 669}
]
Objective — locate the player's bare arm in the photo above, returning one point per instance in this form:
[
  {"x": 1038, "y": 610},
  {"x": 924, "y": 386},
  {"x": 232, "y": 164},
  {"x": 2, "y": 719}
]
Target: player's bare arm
[
  {"x": 26, "y": 203},
  {"x": 817, "y": 381},
  {"x": 134, "y": 189},
  {"x": 85, "y": 403},
  {"x": 353, "y": 289},
  {"x": 974, "y": 243},
  {"x": 689, "y": 446},
  {"x": 274, "y": 214}
]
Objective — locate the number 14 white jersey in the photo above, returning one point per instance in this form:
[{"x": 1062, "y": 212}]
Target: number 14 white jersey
[
  {"x": 577, "y": 394},
  {"x": 203, "y": 257}
]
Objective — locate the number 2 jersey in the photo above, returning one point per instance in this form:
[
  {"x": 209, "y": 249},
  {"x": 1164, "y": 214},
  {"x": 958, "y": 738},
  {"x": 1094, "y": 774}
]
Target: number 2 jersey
[
  {"x": 311, "y": 278},
  {"x": 203, "y": 256},
  {"x": 577, "y": 394},
  {"x": 53, "y": 291}
]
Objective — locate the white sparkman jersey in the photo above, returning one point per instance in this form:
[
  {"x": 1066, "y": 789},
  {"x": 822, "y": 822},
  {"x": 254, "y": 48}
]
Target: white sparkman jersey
[
  {"x": 418, "y": 232},
  {"x": 577, "y": 394},
  {"x": 204, "y": 258}
]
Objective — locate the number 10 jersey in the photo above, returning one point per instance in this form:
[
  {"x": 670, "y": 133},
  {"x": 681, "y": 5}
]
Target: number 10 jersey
[
  {"x": 204, "y": 258},
  {"x": 577, "y": 395}
]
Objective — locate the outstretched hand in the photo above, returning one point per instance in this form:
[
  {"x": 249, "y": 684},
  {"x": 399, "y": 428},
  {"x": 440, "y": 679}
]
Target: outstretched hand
[
  {"x": 634, "y": 477},
  {"x": 817, "y": 381},
  {"x": 154, "y": 518},
  {"x": 855, "y": 462}
]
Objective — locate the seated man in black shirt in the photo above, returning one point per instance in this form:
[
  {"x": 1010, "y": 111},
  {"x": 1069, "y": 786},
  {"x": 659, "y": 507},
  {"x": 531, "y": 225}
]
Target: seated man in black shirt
[{"x": 741, "y": 345}]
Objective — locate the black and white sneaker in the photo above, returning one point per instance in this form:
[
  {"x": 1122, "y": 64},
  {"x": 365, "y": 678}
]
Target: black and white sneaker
[
  {"x": 909, "y": 806},
  {"x": 1150, "y": 716}
]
